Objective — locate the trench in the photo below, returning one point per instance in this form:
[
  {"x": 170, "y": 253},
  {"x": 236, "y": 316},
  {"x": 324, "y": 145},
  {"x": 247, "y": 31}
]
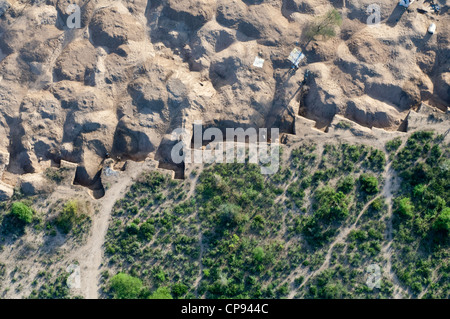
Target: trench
[{"x": 96, "y": 186}]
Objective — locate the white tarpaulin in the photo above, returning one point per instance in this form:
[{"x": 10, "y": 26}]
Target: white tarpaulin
[
  {"x": 258, "y": 62},
  {"x": 296, "y": 56}
]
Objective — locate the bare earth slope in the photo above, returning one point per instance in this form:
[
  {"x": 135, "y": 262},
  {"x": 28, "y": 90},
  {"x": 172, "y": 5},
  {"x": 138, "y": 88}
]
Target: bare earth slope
[
  {"x": 136, "y": 70},
  {"x": 113, "y": 90}
]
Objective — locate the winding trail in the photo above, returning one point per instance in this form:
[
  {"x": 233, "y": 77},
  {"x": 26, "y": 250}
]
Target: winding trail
[
  {"x": 391, "y": 183},
  {"x": 386, "y": 250},
  {"x": 339, "y": 239}
]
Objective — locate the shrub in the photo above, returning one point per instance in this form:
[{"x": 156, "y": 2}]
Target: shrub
[
  {"x": 146, "y": 230},
  {"x": 125, "y": 286},
  {"x": 69, "y": 217},
  {"x": 325, "y": 26},
  {"x": 405, "y": 208},
  {"x": 442, "y": 222},
  {"x": 161, "y": 293},
  {"x": 331, "y": 205},
  {"x": 54, "y": 174},
  {"x": 22, "y": 212},
  {"x": 346, "y": 184},
  {"x": 369, "y": 183},
  {"x": 393, "y": 145},
  {"x": 377, "y": 159},
  {"x": 377, "y": 204},
  {"x": 179, "y": 289},
  {"x": 343, "y": 125},
  {"x": 259, "y": 254}
]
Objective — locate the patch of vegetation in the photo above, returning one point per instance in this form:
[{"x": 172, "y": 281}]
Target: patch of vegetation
[
  {"x": 71, "y": 218},
  {"x": 421, "y": 216},
  {"x": 325, "y": 26},
  {"x": 343, "y": 125},
  {"x": 162, "y": 293},
  {"x": 55, "y": 174},
  {"x": 124, "y": 286},
  {"x": 22, "y": 212},
  {"x": 368, "y": 184},
  {"x": 53, "y": 287},
  {"x": 15, "y": 220},
  {"x": 242, "y": 234},
  {"x": 393, "y": 145}
]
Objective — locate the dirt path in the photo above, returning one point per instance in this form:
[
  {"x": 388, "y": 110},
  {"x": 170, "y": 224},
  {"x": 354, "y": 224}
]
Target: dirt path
[
  {"x": 200, "y": 274},
  {"x": 391, "y": 183},
  {"x": 90, "y": 256}
]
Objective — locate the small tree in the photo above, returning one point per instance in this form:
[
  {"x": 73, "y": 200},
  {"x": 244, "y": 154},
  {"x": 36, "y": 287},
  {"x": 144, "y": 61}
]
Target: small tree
[
  {"x": 325, "y": 26},
  {"x": 22, "y": 212},
  {"x": 125, "y": 286}
]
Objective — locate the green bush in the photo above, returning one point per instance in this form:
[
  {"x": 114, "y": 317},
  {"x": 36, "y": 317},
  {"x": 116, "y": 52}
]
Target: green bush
[
  {"x": 377, "y": 204},
  {"x": 259, "y": 254},
  {"x": 393, "y": 145},
  {"x": 22, "y": 212},
  {"x": 404, "y": 207},
  {"x": 346, "y": 184},
  {"x": 179, "y": 289},
  {"x": 331, "y": 205},
  {"x": 124, "y": 286},
  {"x": 69, "y": 217},
  {"x": 369, "y": 183},
  {"x": 161, "y": 293},
  {"x": 54, "y": 174},
  {"x": 442, "y": 222},
  {"x": 377, "y": 160}
]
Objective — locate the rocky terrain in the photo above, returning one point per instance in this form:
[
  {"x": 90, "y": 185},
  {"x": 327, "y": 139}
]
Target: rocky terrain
[
  {"x": 136, "y": 70},
  {"x": 83, "y": 111}
]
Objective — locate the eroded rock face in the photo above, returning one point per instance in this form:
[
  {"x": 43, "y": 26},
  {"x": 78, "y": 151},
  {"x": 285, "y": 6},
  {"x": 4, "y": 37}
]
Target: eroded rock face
[
  {"x": 77, "y": 62},
  {"x": 137, "y": 70},
  {"x": 194, "y": 13},
  {"x": 443, "y": 86},
  {"x": 111, "y": 27},
  {"x": 131, "y": 141}
]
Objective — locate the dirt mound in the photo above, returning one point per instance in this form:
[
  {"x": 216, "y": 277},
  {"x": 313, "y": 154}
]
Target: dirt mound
[
  {"x": 110, "y": 27},
  {"x": 194, "y": 13},
  {"x": 76, "y": 62}
]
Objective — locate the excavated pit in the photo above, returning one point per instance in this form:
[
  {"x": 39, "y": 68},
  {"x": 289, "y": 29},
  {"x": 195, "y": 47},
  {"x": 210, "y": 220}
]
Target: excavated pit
[{"x": 95, "y": 186}]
